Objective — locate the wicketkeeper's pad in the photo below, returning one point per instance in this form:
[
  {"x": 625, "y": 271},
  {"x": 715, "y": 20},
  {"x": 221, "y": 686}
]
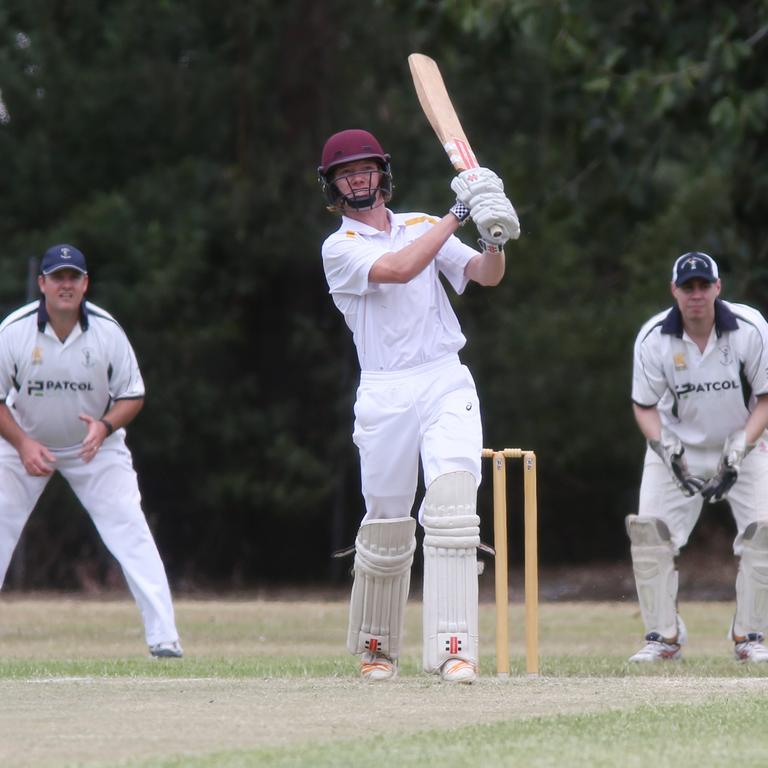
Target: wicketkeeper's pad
[
  {"x": 383, "y": 557},
  {"x": 451, "y": 538},
  {"x": 752, "y": 582},
  {"x": 653, "y": 561}
]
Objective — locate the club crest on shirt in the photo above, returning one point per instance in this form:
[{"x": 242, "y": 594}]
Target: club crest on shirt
[
  {"x": 88, "y": 357},
  {"x": 679, "y": 361},
  {"x": 725, "y": 356},
  {"x": 37, "y": 356}
]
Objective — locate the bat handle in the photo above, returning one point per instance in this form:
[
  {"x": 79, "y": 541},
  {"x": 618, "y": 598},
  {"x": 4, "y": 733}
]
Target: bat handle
[{"x": 497, "y": 231}]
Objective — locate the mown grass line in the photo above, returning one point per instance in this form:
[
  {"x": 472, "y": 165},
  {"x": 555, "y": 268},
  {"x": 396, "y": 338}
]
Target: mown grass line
[{"x": 707, "y": 735}]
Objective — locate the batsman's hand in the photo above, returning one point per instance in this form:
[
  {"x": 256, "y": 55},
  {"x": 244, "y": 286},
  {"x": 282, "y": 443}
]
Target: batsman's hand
[
  {"x": 734, "y": 451},
  {"x": 495, "y": 218},
  {"x": 476, "y": 181},
  {"x": 671, "y": 450}
]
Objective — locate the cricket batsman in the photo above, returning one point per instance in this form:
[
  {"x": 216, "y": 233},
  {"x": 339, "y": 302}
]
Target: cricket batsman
[{"x": 415, "y": 399}]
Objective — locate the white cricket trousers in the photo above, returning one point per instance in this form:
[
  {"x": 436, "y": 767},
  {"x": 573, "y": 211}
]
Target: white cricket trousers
[
  {"x": 748, "y": 499},
  {"x": 431, "y": 411},
  {"x": 108, "y": 489}
]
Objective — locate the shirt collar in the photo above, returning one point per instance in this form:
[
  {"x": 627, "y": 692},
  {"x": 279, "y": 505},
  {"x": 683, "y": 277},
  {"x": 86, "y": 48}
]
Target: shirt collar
[
  {"x": 352, "y": 225},
  {"x": 42, "y": 316},
  {"x": 725, "y": 320}
]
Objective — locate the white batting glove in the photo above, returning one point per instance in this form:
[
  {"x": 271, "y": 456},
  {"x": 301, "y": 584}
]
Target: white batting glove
[
  {"x": 493, "y": 211},
  {"x": 476, "y": 181}
]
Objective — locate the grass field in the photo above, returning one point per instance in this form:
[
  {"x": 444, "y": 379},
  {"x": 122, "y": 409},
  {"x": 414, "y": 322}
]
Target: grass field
[{"x": 268, "y": 683}]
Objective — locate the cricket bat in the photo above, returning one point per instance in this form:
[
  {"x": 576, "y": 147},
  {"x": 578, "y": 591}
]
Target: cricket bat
[{"x": 438, "y": 108}]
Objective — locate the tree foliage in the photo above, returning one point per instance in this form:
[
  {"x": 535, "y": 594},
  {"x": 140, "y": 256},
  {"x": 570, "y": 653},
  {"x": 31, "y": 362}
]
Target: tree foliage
[{"x": 176, "y": 143}]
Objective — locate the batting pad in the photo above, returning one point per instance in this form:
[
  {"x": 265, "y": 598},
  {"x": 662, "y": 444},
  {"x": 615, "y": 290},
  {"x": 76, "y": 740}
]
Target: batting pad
[
  {"x": 451, "y": 538},
  {"x": 752, "y": 582},
  {"x": 383, "y": 557},
  {"x": 653, "y": 561}
]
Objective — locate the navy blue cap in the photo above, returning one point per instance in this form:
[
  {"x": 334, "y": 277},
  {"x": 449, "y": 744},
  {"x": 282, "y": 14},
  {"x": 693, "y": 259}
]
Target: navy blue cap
[
  {"x": 63, "y": 257},
  {"x": 694, "y": 264}
]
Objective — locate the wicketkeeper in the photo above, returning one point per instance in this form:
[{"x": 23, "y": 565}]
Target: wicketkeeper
[
  {"x": 415, "y": 399},
  {"x": 700, "y": 394}
]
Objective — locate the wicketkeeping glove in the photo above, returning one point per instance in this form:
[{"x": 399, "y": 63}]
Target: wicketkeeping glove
[
  {"x": 492, "y": 211},
  {"x": 734, "y": 451},
  {"x": 671, "y": 451}
]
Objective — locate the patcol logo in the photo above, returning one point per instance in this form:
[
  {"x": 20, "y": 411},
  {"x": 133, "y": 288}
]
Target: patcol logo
[
  {"x": 706, "y": 386},
  {"x": 37, "y": 388}
]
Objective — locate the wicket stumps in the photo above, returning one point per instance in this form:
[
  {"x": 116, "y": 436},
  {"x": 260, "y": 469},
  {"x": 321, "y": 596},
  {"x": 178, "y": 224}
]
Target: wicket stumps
[{"x": 502, "y": 559}]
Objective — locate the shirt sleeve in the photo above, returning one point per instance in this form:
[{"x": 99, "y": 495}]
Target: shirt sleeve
[
  {"x": 125, "y": 382},
  {"x": 7, "y": 366},
  {"x": 452, "y": 260},
  {"x": 648, "y": 380},
  {"x": 347, "y": 261},
  {"x": 756, "y": 357}
]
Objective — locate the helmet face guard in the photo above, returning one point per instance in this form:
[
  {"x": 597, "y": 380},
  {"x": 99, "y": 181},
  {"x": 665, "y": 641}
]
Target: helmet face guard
[{"x": 346, "y": 147}]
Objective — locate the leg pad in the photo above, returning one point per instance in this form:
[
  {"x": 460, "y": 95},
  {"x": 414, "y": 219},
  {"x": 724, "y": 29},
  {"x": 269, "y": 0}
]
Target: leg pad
[{"x": 383, "y": 557}]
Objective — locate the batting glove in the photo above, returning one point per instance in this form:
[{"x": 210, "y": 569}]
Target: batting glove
[
  {"x": 734, "y": 451},
  {"x": 493, "y": 211},
  {"x": 671, "y": 451},
  {"x": 476, "y": 181}
]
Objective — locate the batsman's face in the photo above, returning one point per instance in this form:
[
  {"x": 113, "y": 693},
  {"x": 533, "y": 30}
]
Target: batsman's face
[
  {"x": 696, "y": 299},
  {"x": 357, "y": 177},
  {"x": 63, "y": 289}
]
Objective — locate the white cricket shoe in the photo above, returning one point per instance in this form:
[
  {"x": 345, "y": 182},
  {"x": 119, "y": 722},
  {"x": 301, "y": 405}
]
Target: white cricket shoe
[
  {"x": 751, "y": 648},
  {"x": 656, "y": 648},
  {"x": 170, "y": 650},
  {"x": 458, "y": 671},
  {"x": 376, "y": 667}
]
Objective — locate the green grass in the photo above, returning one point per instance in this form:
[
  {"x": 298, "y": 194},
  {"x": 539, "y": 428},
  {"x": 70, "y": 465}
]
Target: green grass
[
  {"x": 267, "y": 683},
  {"x": 709, "y": 735}
]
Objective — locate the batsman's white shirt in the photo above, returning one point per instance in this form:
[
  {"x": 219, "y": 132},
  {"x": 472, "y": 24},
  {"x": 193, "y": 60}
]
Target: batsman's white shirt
[
  {"x": 48, "y": 383},
  {"x": 702, "y": 396},
  {"x": 415, "y": 399},
  {"x": 395, "y": 326}
]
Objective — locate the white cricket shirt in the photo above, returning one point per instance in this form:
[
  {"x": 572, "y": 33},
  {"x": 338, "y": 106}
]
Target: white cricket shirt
[
  {"x": 702, "y": 397},
  {"x": 47, "y": 383},
  {"x": 395, "y": 326}
]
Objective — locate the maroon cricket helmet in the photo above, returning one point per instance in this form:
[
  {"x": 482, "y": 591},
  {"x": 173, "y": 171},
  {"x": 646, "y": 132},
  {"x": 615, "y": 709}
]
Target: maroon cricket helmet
[{"x": 345, "y": 147}]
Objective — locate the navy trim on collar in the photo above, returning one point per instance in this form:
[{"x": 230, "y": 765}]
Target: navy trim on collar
[
  {"x": 725, "y": 320},
  {"x": 42, "y": 316}
]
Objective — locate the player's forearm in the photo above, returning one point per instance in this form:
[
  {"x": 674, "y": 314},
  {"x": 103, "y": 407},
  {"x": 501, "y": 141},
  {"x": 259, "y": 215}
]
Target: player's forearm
[
  {"x": 9, "y": 429},
  {"x": 403, "y": 265},
  {"x": 757, "y": 421},
  {"x": 487, "y": 268},
  {"x": 123, "y": 412},
  {"x": 648, "y": 421}
]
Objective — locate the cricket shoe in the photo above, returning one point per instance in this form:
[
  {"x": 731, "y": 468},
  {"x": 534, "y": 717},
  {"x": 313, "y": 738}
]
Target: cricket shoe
[
  {"x": 458, "y": 671},
  {"x": 376, "y": 667},
  {"x": 656, "y": 648},
  {"x": 751, "y": 648},
  {"x": 171, "y": 650}
]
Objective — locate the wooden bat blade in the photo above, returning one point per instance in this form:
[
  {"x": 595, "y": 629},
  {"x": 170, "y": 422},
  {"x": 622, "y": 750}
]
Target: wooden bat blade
[{"x": 439, "y": 110}]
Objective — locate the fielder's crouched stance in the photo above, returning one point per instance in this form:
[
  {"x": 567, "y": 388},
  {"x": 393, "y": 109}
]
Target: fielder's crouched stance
[
  {"x": 700, "y": 392},
  {"x": 415, "y": 400},
  {"x": 69, "y": 383}
]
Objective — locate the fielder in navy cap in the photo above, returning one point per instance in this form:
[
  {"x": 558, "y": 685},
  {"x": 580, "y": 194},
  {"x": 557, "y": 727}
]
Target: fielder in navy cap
[
  {"x": 63, "y": 257},
  {"x": 700, "y": 399},
  {"x": 694, "y": 264}
]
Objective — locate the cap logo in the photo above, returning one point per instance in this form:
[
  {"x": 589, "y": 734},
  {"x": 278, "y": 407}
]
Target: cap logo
[{"x": 65, "y": 253}]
